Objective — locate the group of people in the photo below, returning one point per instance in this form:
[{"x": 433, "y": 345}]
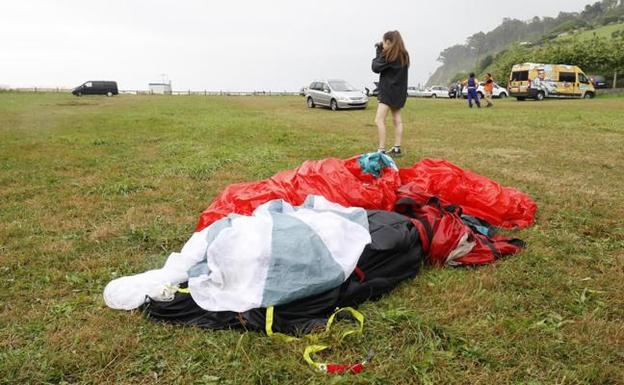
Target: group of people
[
  {"x": 391, "y": 63},
  {"x": 472, "y": 89}
]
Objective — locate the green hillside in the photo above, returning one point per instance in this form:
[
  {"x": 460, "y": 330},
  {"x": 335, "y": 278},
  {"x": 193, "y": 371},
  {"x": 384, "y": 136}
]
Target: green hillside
[
  {"x": 603, "y": 19},
  {"x": 607, "y": 31}
]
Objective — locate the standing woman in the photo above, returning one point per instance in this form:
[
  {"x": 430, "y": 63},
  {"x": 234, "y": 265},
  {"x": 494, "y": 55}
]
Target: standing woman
[{"x": 391, "y": 63}]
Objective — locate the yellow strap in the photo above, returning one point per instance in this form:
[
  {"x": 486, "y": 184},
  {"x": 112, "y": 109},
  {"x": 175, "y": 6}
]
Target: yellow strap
[
  {"x": 268, "y": 322},
  {"x": 183, "y": 290},
  {"x": 311, "y": 349},
  {"x": 356, "y": 314},
  {"x": 268, "y": 326}
]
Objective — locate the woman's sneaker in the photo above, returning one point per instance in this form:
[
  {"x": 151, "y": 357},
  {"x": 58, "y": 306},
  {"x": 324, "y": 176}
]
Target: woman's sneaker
[
  {"x": 381, "y": 150},
  {"x": 396, "y": 151}
]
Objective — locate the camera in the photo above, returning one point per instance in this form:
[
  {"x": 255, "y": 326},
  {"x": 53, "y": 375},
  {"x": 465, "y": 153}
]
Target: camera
[{"x": 379, "y": 45}]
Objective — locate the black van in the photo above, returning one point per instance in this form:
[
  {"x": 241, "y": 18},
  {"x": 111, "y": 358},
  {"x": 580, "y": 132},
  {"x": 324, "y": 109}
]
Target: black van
[{"x": 96, "y": 87}]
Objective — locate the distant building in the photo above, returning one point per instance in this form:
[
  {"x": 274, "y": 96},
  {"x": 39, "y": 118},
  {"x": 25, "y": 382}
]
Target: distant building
[{"x": 160, "y": 88}]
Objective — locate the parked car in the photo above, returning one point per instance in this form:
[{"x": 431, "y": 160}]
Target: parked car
[
  {"x": 432, "y": 92},
  {"x": 599, "y": 81},
  {"x": 453, "y": 90},
  {"x": 497, "y": 91},
  {"x": 336, "y": 94},
  {"x": 96, "y": 87},
  {"x": 439, "y": 92},
  {"x": 539, "y": 81},
  {"x": 412, "y": 91},
  {"x": 418, "y": 92}
]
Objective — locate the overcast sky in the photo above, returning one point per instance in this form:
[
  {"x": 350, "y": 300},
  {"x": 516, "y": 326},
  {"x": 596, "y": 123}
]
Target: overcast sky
[{"x": 237, "y": 44}]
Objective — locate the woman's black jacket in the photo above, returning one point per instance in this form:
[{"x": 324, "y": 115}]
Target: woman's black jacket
[{"x": 392, "y": 81}]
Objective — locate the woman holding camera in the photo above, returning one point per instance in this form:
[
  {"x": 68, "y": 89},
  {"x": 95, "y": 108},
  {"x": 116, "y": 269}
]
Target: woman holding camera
[{"x": 391, "y": 63}]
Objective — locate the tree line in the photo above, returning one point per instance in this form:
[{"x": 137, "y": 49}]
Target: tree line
[
  {"x": 482, "y": 49},
  {"x": 599, "y": 55}
]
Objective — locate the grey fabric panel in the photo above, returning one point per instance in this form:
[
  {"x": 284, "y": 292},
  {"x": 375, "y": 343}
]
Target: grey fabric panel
[
  {"x": 301, "y": 265},
  {"x": 276, "y": 206},
  {"x": 212, "y": 233},
  {"x": 199, "y": 269},
  {"x": 309, "y": 202},
  {"x": 358, "y": 216},
  {"x": 219, "y": 226}
]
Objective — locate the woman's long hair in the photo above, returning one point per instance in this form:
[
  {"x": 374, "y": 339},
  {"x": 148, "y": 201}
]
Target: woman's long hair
[{"x": 396, "y": 49}]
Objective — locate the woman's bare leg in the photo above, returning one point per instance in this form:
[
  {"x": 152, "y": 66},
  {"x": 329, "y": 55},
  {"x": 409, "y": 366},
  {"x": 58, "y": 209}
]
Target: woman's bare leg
[
  {"x": 398, "y": 126},
  {"x": 380, "y": 121}
]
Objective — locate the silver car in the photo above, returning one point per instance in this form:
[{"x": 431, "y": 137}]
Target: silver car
[{"x": 335, "y": 94}]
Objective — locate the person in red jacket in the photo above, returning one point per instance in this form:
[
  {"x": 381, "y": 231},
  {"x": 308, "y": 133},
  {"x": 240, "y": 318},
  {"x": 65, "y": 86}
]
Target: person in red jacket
[{"x": 391, "y": 63}]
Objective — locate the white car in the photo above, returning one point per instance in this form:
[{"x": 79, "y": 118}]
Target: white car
[
  {"x": 432, "y": 92},
  {"x": 497, "y": 92},
  {"x": 439, "y": 92},
  {"x": 414, "y": 92}
]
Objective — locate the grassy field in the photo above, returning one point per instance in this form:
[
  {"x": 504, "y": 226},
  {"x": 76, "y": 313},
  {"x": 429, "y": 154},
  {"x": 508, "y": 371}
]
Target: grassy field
[{"x": 96, "y": 188}]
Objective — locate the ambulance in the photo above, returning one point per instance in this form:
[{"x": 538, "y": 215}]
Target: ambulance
[{"x": 539, "y": 81}]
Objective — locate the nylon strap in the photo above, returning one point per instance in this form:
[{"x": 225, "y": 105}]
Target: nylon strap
[
  {"x": 312, "y": 349},
  {"x": 356, "y": 314},
  {"x": 268, "y": 327}
]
